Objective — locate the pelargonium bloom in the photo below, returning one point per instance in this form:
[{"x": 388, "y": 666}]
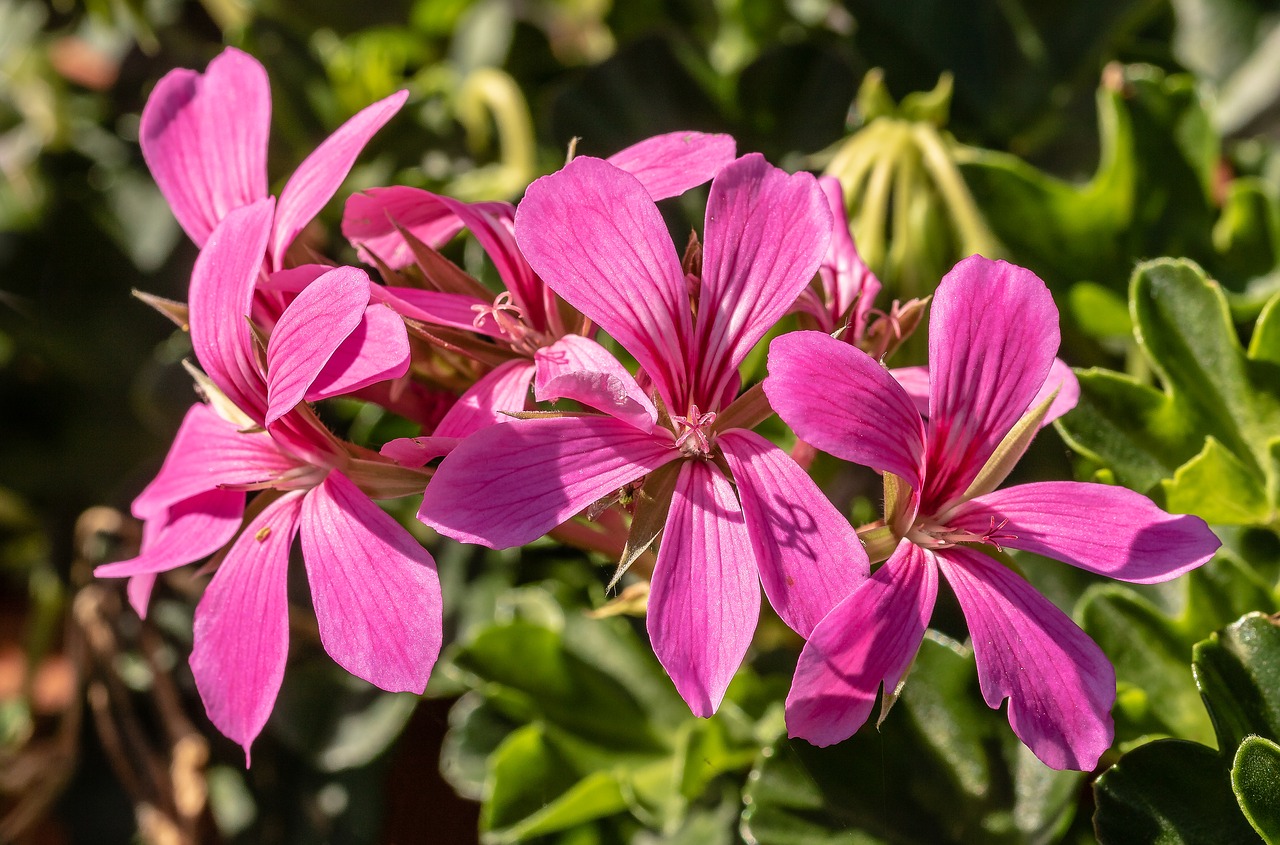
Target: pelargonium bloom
[
  {"x": 204, "y": 138},
  {"x": 375, "y": 589},
  {"x": 526, "y": 316},
  {"x": 740, "y": 512},
  {"x": 992, "y": 340}
]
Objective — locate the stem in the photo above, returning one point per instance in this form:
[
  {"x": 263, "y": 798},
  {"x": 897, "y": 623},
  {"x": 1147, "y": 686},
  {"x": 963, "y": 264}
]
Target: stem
[{"x": 975, "y": 237}]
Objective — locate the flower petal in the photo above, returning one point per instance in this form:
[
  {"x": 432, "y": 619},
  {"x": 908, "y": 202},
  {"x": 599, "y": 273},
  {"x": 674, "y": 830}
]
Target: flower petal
[
  {"x": 766, "y": 233},
  {"x": 208, "y": 452},
  {"x": 241, "y": 634},
  {"x": 509, "y": 484},
  {"x": 455, "y": 310},
  {"x": 993, "y": 333},
  {"x": 138, "y": 590},
  {"x": 578, "y": 368},
  {"x": 841, "y": 400},
  {"x": 809, "y": 556},
  {"x": 668, "y": 165},
  {"x": 320, "y": 175},
  {"x": 870, "y": 638},
  {"x": 493, "y": 227},
  {"x": 1099, "y": 528},
  {"x": 1059, "y": 684},
  {"x": 418, "y": 451},
  {"x": 704, "y": 601},
  {"x": 1062, "y": 379},
  {"x": 504, "y": 388},
  {"x": 221, "y": 296},
  {"x": 377, "y": 350},
  {"x": 193, "y": 529},
  {"x": 594, "y": 235},
  {"x": 846, "y": 278},
  {"x": 373, "y": 220},
  {"x": 308, "y": 334},
  {"x": 375, "y": 589},
  {"x": 204, "y": 138},
  {"x": 915, "y": 380}
]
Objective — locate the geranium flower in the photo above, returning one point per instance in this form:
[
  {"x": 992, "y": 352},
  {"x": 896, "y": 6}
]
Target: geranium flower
[
  {"x": 992, "y": 339},
  {"x": 375, "y": 589},
  {"x": 526, "y": 316},
  {"x": 740, "y": 511},
  {"x": 204, "y": 138}
]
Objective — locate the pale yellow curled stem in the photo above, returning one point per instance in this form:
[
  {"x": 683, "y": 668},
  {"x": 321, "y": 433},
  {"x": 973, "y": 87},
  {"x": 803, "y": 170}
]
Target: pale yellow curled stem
[{"x": 975, "y": 237}]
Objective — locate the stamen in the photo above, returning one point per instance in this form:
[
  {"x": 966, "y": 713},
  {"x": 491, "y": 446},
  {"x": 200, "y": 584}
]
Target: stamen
[
  {"x": 932, "y": 536},
  {"x": 693, "y": 436},
  {"x": 505, "y": 313}
]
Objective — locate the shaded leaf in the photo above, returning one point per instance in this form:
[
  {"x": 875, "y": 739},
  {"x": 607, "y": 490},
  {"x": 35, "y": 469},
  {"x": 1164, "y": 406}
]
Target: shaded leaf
[
  {"x": 1238, "y": 672},
  {"x": 1255, "y": 777},
  {"x": 1170, "y": 791}
]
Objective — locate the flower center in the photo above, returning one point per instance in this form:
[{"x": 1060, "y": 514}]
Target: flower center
[
  {"x": 930, "y": 535},
  {"x": 693, "y": 432},
  {"x": 504, "y": 312}
]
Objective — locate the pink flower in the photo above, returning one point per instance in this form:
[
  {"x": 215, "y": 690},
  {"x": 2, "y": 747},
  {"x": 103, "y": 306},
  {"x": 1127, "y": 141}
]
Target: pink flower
[
  {"x": 741, "y": 512},
  {"x": 204, "y": 137},
  {"x": 992, "y": 339},
  {"x": 375, "y": 589},
  {"x": 526, "y": 316}
]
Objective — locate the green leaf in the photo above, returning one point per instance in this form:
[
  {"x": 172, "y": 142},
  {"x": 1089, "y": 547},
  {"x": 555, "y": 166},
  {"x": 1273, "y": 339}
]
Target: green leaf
[
  {"x": 1265, "y": 343},
  {"x": 1222, "y": 590},
  {"x": 1255, "y": 777},
  {"x": 1185, "y": 327},
  {"x": 531, "y": 670},
  {"x": 1099, "y": 310},
  {"x": 1238, "y": 672},
  {"x": 572, "y": 722},
  {"x": 536, "y": 790},
  {"x": 1197, "y": 487},
  {"x": 476, "y": 730},
  {"x": 1211, "y": 389},
  {"x": 1245, "y": 234},
  {"x": 1170, "y": 792},
  {"x": 970, "y": 779},
  {"x": 1182, "y": 792},
  {"x": 1112, "y": 425},
  {"x": 1157, "y": 692}
]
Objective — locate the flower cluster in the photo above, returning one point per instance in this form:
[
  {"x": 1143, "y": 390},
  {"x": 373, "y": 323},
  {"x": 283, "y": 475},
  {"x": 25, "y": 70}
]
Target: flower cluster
[{"x": 535, "y": 417}]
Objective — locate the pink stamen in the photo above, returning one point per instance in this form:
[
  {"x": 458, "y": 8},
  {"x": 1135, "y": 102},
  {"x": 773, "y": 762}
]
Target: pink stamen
[
  {"x": 503, "y": 312},
  {"x": 940, "y": 537},
  {"x": 692, "y": 434}
]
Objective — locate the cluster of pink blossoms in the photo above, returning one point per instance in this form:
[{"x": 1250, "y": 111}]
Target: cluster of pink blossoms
[{"x": 663, "y": 454}]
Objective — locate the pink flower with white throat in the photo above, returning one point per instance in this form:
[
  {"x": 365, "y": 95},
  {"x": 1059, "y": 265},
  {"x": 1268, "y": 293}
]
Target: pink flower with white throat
[
  {"x": 993, "y": 335},
  {"x": 741, "y": 512}
]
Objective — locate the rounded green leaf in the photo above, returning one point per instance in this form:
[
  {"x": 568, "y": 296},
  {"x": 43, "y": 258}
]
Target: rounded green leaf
[
  {"x": 1169, "y": 792},
  {"x": 1255, "y": 777},
  {"x": 1238, "y": 672}
]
